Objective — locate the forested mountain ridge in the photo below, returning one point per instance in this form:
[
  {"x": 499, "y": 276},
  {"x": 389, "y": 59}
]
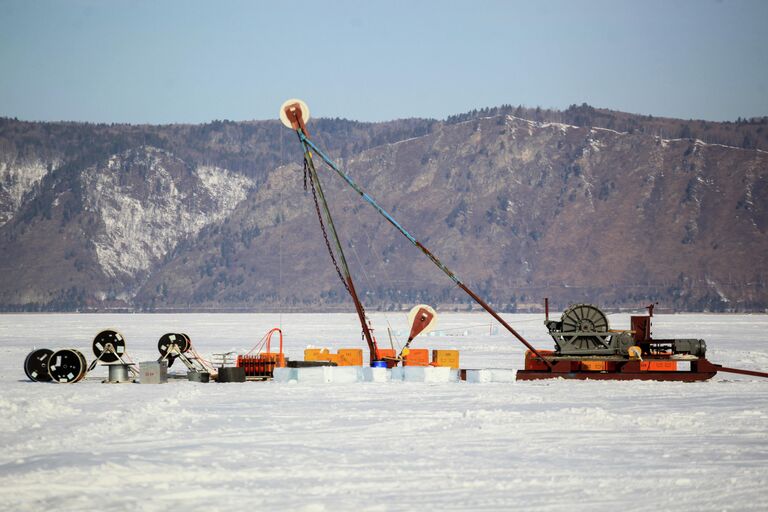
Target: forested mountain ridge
[{"x": 584, "y": 204}]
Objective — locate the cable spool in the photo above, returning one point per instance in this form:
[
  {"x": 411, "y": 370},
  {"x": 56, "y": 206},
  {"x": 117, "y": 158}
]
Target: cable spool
[
  {"x": 103, "y": 340},
  {"x": 171, "y": 345},
  {"x": 174, "y": 346},
  {"x": 67, "y": 365},
  {"x": 587, "y": 320},
  {"x": 36, "y": 365},
  {"x": 583, "y": 330},
  {"x": 109, "y": 348},
  {"x": 186, "y": 343},
  {"x": 167, "y": 342}
]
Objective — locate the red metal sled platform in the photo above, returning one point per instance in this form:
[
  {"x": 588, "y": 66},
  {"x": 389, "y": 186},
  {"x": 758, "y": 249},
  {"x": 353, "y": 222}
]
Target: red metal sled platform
[{"x": 700, "y": 369}]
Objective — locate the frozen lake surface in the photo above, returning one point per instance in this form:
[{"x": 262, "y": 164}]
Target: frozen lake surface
[{"x": 547, "y": 445}]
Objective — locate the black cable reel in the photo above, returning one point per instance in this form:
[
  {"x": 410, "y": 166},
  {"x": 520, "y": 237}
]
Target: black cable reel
[
  {"x": 174, "y": 345},
  {"x": 109, "y": 348},
  {"x": 70, "y": 365},
  {"x": 36, "y": 365},
  {"x": 67, "y": 366},
  {"x": 171, "y": 345}
]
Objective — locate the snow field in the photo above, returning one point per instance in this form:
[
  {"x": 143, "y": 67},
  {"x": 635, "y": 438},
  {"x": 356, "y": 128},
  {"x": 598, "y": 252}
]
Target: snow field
[{"x": 392, "y": 445}]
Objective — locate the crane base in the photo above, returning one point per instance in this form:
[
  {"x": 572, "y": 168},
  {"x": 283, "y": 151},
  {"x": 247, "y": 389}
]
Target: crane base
[
  {"x": 612, "y": 369},
  {"x": 661, "y": 376}
]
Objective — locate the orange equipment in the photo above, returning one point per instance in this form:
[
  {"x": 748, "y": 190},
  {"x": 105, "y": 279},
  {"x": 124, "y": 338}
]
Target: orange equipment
[{"x": 263, "y": 364}]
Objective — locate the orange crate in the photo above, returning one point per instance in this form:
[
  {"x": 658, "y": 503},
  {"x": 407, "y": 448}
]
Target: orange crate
[
  {"x": 658, "y": 366},
  {"x": 350, "y": 357},
  {"x": 417, "y": 357},
  {"x": 316, "y": 354},
  {"x": 449, "y": 358}
]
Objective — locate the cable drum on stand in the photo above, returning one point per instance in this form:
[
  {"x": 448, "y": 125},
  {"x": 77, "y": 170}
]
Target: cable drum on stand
[
  {"x": 171, "y": 344},
  {"x": 167, "y": 341},
  {"x": 582, "y": 330},
  {"x": 174, "y": 346},
  {"x": 103, "y": 340},
  {"x": 109, "y": 348},
  {"x": 36, "y": 365},
  {"x": 67, "y": 365}
]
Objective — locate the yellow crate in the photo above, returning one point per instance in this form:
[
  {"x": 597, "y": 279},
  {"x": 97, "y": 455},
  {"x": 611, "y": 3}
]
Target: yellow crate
[
  {"x": 316, "y": 354},
  {"x": 416, "y": 357},
  {"x": 350, "y": 357},
  {"x": 449, "y": 358}
]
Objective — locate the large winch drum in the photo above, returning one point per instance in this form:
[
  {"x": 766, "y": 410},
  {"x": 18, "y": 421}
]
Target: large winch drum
[{"x": 582, "y": 329}]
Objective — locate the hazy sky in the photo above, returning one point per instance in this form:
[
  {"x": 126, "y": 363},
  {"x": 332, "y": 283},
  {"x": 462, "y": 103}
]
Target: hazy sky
[{"x": 189, "y": 61}]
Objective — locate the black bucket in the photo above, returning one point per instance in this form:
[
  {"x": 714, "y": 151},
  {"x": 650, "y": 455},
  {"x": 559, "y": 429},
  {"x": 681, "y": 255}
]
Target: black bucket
[
  {"x": 198, "y": 376},
  {"x": 231, "y": 374}
]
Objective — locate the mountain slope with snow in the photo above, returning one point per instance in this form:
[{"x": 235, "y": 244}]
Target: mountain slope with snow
[
  {"x": 120, "y": 217},
  {"x": 215, "y": 216}
]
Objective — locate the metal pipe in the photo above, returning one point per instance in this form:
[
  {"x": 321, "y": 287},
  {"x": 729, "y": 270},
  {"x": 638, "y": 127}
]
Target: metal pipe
[{"x": 742, "y": 372}]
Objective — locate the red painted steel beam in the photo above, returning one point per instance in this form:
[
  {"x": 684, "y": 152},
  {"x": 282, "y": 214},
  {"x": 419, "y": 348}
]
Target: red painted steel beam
[
  {"x": 294, "y": 114},
  {"x": 741, "y": 372}
]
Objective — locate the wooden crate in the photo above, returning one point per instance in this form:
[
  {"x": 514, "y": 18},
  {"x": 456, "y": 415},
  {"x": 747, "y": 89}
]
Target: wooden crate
[
  {"x": 316, "y": 354},
  {"x": 449, "y": 358},
  {"x": 417, "y": 357},
  {"x": 350, "y": 357}
]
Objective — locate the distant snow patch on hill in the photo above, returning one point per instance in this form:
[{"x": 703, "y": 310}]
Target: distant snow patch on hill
[
  {"x": 227, "y": 189},
  {"x": 16, "y": 179},
  {"x": 149, "y": 200}
]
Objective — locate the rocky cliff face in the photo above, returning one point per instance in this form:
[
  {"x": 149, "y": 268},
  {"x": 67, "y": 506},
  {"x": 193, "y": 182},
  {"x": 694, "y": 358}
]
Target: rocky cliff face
[
  {"x": 519, "y": 209},
  {"x": 19, "y": 178},
  {"x": 147, "y": 201},
  {"x": 109, "y": 225}
]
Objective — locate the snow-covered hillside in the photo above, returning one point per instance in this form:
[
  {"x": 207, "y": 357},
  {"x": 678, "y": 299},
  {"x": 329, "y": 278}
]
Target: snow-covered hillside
[
  {"x": 550, "y": 445},
  {"x": 148, "y": 200},
  {"x": 17, "y": 178}
]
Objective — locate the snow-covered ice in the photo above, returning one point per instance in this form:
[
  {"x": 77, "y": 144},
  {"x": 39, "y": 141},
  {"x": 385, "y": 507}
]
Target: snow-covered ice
[{"x": 395, "y": 445}]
